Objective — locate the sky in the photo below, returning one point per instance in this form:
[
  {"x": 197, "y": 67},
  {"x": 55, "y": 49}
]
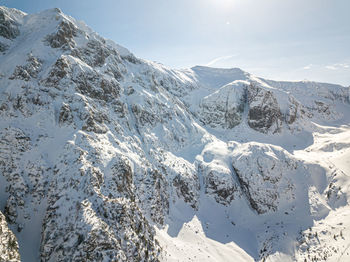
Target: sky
[{"x": 276, "y": 39}]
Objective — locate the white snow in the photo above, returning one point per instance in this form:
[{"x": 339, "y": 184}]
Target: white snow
[{"x": 191, "y": 244}]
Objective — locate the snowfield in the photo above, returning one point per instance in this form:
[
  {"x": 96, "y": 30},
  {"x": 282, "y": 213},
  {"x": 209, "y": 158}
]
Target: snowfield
[{"x": 108, "y": 157}]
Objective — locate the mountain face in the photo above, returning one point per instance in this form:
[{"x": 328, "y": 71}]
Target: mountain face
[{"x": 108, "y": 157}]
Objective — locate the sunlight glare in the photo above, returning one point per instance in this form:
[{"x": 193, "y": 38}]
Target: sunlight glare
[{"x": 224, "y": 3}]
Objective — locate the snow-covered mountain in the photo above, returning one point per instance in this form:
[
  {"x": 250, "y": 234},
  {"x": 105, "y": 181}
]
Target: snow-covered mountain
[{"x": 108, "y": 157}]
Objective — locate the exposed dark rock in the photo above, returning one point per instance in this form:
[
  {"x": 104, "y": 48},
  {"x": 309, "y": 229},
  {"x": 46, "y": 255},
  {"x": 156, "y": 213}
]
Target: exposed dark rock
[
  {"x": 64, "y": 37},
  {"x": 95, "y": 125},
  {"x": 265, "y": 175},
  {"x": 10, "y": 139},
  {"x": 94, "y": 54},
  {"x": 123, "y": 177},
  {"x": 8, "y": 243},
  {"x": 222, "y": 189},
  {"x": 322, "y": 107},
  {"x": 95, "y": 87},
  {"x": 65, "y": 117},
  {"x": 59, "y": 71},
  {"x": 187, "y": 190},
  {"x": 3, "y": 47},
  {"x": 295, "y": 111},
  {"x": 29, "y": 70},
  {"x": 130, "y": 90},
  {"x": 143, "y": 117},
  {"x": 264, "y": 113},
  {"x": 219, "y": 115},
  {"x": 97, "y": 226},
  {"x": 132, "y": 59},
  {"x": 224, "y": 108},
  {"x": 155, "y": 185},
  {"x": 254, "y": 203}
]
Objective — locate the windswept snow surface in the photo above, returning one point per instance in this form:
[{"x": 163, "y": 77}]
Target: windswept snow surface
[{"x": 108, "y": 157}]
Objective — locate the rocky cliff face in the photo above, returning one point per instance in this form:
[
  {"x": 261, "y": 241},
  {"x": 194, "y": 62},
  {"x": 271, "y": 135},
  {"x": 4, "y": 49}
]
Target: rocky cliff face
[
  {"x": 224, "y": 107},
  {"x": 98, "y": 146},
  {"x": 264, "y": 112},
  {"x": 268, "y": 176}
]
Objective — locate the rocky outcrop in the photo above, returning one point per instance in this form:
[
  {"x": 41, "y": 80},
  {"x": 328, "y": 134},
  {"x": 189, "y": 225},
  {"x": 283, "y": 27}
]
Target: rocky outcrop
[
  {"x": 93, "y": 86},
  {"x": 155, "y": 186},
  {"x": 65, "y": 117},
  {"x": 3, "y": 47},
  {"x": 14, "y": 143},
  {"x": 221, "y": 186},
  {"x": 112, "y": 228},
  {"x": 100, "y": 218},
  {"x": 316, "y": 100},
  {"x": 64, "y": 37},
  {"x": 8, "y": 24},
  {"x": 187, "y": 188},
  {"x": 266, "y": 175},
  {"x": 264, "y": 112},
  {"x": 8, "y": 243},
  {"x": 224, "y": 107},
  {"x": 95, "y": 53},
  {"x": 29, "y": 70},
  {"x": 268, "y": 109},
  {"x": 58, "y": 71}
]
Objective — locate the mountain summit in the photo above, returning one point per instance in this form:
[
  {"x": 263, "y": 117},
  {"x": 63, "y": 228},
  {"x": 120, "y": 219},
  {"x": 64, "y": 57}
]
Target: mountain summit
[{"x": 108, "y": 157}]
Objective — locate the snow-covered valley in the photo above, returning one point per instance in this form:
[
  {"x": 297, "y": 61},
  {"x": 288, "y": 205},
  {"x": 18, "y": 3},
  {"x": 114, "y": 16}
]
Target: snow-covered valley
[{"x": 108, "y": 157}]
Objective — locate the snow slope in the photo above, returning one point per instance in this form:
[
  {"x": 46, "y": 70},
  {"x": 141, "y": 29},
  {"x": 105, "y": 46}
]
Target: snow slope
[{"x": 108, "y": 157}]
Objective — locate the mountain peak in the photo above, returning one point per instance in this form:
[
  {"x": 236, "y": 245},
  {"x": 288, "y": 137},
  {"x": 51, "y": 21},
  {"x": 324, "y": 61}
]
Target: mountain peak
[
  {"x": 219, "y": 71},
  {"x": 11, "y": 11}
]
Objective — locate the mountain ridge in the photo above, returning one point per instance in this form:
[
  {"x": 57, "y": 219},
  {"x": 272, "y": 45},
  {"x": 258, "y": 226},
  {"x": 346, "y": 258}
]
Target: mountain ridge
[{"x": 108, "y": 157}]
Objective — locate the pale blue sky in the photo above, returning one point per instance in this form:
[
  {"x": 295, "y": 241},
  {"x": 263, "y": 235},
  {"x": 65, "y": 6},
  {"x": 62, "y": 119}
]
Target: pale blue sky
[{"x": 278, "y": 39}]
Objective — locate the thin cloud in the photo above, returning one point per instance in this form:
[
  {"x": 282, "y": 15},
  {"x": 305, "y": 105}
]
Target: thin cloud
[
  {"x": 307, "y": 67},
  {"x": 331, "y": 67},
  {"x": 221, "y": 58},
  {"x": 337, "y": 66}
]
